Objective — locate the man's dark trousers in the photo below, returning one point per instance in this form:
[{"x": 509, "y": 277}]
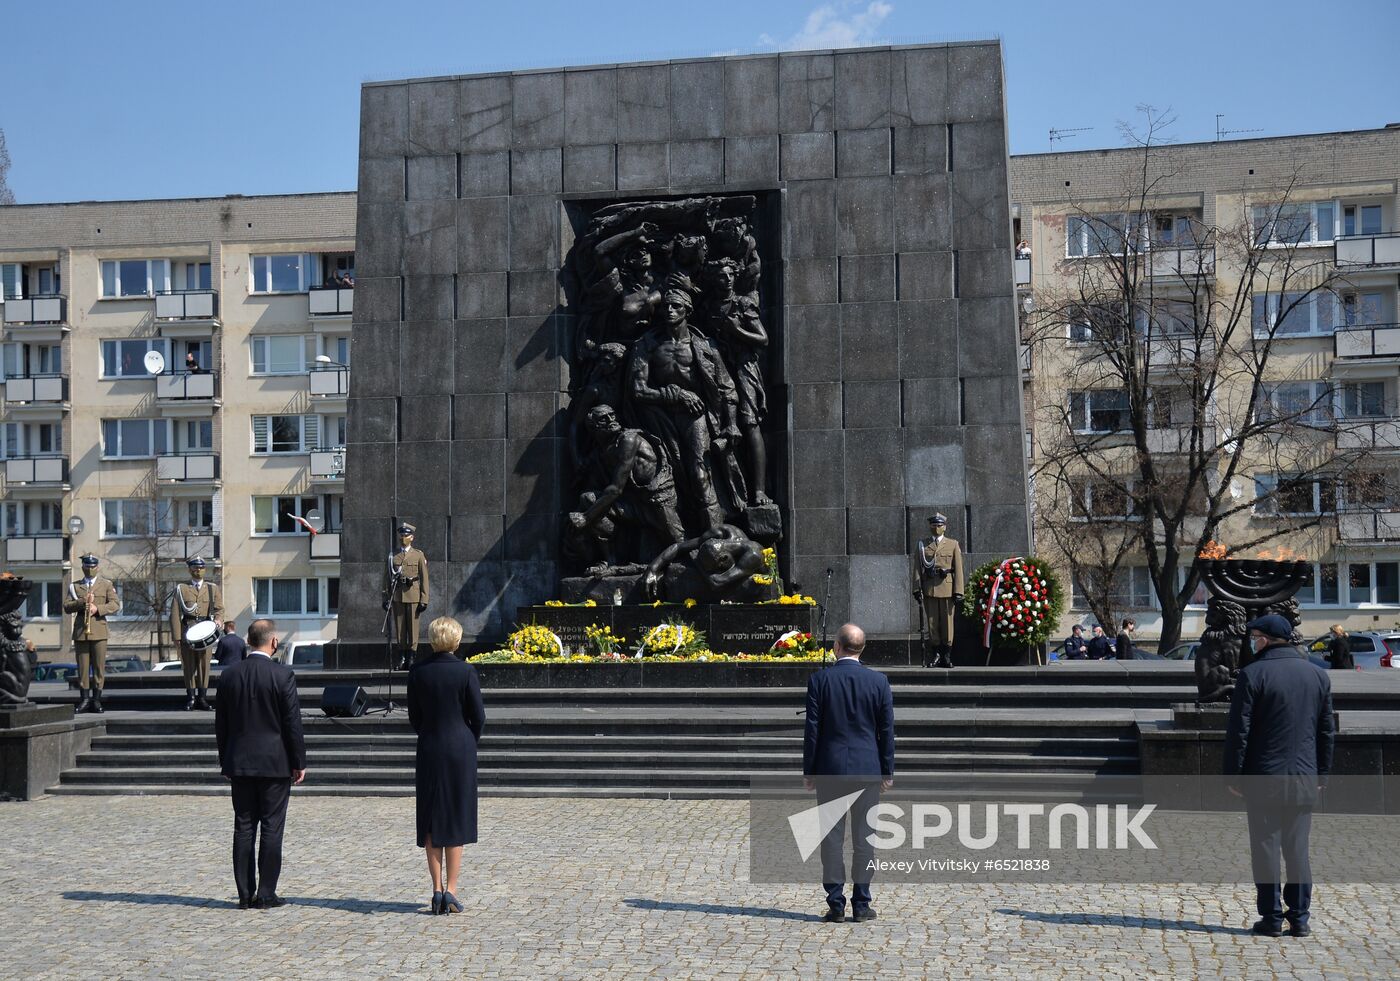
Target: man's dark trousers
[
  {"x": 259, "y": 808},
  {"x": 862, "y": 851},
  {"x": 1275, "y": 828}
]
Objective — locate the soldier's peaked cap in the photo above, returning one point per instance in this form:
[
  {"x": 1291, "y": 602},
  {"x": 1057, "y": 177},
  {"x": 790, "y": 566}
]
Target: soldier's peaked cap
[
  {"x": 407, "y": 529},
  {"x": 937, "y": 518},
  {"x": 195, "y": 563},
  {"x": 89, "y": 559}
]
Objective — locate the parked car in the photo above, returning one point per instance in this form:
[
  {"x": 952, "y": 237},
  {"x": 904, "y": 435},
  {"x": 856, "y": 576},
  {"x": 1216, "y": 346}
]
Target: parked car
[
  {"x": 54, "y": 671},
  {"x": 214, "y": 666},
  {"x": 305, "y": 654},
  {"x": 1369, "y": 649},
  {"x": 125, "y": 663},
  {"x": 1182, "y": 652}
]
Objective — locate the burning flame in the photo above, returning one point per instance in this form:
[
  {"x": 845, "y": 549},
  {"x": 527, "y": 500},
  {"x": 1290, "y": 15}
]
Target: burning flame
[
  {"x": 1213, "y": 550},
  {"x": 1281, "y": 554}
]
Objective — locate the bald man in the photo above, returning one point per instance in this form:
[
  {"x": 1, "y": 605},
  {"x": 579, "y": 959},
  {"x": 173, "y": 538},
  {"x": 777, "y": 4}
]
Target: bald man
[{"x": 849, "y": 748}]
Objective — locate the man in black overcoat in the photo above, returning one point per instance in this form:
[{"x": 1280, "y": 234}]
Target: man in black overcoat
[{"x": 257, "y": 722}]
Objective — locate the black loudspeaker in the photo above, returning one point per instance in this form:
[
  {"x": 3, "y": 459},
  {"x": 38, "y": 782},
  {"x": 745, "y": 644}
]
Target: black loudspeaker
[{"x": 344, "y": 701}]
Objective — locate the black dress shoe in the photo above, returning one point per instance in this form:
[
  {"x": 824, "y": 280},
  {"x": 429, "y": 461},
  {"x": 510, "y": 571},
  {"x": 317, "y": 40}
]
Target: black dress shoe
[
  {"x": 835, "y": 914},
  {"x": 862, "y": 915},
  {"x": 1264, "y": 928},
  {"x": 270, "y": 902},
  {"x": 450, "y": 903},
  {"x": 1299, "y": 930},
  {"x": 202, "y": 703},
  {"x": 245, "y": 902},
  {"x": 189, "y": 699}
]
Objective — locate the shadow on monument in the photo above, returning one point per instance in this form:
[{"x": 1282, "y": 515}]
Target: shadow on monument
[{"x": 1134, "y": 922}]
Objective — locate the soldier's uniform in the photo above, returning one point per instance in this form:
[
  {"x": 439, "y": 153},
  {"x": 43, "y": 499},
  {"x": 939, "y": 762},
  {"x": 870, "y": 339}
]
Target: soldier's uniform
[
  {"x": 938, "y": 584},
  {"x": 408, "y": 595},
  {"x": 90, "y": 633},
  {"x": 190, "y": 603}
]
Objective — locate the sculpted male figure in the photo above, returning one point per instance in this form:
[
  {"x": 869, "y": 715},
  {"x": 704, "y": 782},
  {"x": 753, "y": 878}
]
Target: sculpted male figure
[
  {"x": 732, "y": 320},
  {"x": 685, "y": 397},
  {"x": 724, "y": 555},
  {"x": 641, "y": 490}
]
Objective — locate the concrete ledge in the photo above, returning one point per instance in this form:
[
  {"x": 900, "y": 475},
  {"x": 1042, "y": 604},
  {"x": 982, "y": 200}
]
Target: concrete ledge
[{"x": 32, "y": 757}]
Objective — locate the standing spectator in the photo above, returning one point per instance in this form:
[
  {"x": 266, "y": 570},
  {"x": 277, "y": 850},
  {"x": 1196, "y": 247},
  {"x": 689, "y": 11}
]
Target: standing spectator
[
  {"x": 257, "y": 723},
  {"x": 1123, "y": 645},
  {"x": 1023, "y": 249},
  {"x": 192, "y": 363},
  {"x": 848, "y": 748},
  {"x": 1100, "y": 648},
  {"x": 231, "y": 648},
  {"x": 1076, "y": 648},
  {"x": 1339, "y": 650},
  {"x": 1278, "y": 750}
]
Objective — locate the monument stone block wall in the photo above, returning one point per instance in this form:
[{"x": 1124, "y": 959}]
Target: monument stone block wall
[{"x": 893, "y": 376}]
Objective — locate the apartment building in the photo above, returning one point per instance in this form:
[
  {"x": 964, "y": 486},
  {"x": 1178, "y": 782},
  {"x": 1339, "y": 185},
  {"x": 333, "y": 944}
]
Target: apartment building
[
  {"x": 1332, "y": 197},
  {"x": 175, "y": 376}
]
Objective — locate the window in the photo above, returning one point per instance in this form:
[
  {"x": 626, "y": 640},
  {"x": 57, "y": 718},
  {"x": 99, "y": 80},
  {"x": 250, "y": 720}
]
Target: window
[
  {"x": 135, "y": 277},
  {"x": 25, "y": 439},
  {"x": 1361, "y": 219},
  {"x": 336, "y": 347},
  {"x": 1099, "y": 411},
  {"x": 29, "y": 360},
  {"x": 193, "y": 276},
  {"x": 1294, "y": 313},
  {"x": 285, "y": 434},
  {"x": 45, "y": 601},
  {"x": 1131, "y": 589},
  {"x": 1166, "y": 318},
  {"x": 135, "y": 438},
  {"x": 333, "y": 596},
  {"x": 1366, "y": 490},
  {"x": 286, "y": 597},
  {"x": 283, "y": 273},
  {"x": 127, "y": 358},
  {"x": 1284, "y": 496},
  {"x": 1363, "y": 309},
  {"x": 137, "y": 598},
  {"x": 1294, "y": 223},
  {"x": 1362, "y": 400},
  {"x": 1169, "y": 407},
  {"x": 11, "y": 281},
  {"x": 283, "y": 354},
  {"x": 1096, "y": 321},
  {"x": 332, "y": 432},
  {"x": 1305, "y": 402},
  {"x": 1106, "y": 234},
  {"x": 273, "y": 515},
  {"x": 337, "y": 266},
  {"x": 1091, "y": 497},
  {"x": 194, "y": 436},
  {"x": 31, "y": 518},
  {"x": 129, "y": 518},
  {"x": 1175, "y": 231}
]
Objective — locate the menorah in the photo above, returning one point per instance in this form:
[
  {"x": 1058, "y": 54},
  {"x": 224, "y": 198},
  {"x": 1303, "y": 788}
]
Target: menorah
[{"x": 1240, "y": 590}]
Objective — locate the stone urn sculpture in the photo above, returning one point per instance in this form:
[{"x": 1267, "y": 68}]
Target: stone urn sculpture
[
  {"x": 1241, "y": 590},
  {"x": 15, "y": 672}
]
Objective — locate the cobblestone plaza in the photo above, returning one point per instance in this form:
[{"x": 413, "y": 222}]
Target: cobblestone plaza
[{"x": 141, "y": 887}]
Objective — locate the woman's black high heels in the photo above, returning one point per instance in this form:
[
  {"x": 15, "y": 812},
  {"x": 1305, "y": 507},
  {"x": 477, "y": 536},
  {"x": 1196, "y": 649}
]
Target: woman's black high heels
[
  {"x": 437, "y": 904},
  {"x": 450, "y": 903}
]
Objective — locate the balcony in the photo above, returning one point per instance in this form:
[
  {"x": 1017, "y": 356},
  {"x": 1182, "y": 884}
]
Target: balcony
[
  {"x": 329, "y": 382},
  {"x": 328, "y": 302},
  {"x": 188, "y": 467},
  {"x": 46, "y": 471},
  {"x": 41, "y": 392},
  {"x": 35, "y": 311},
  {"x": 325, "y": 547},
  {"x": 328, "y": 463},
  {"x": 1176, "y": 440},
  {"x": 1171, "y": 351},
  {"x": 47, "y": 547},
  {"x": 1373, "y": 527},
  {"x": 1188, "y": 264},
  {"x": 188, "y": 306},
  {"x": 187, "y": 386},
  {"x": 1368, "y": 434},
  {"x": 1369, "y": 251},
  {"x": 1023, "y": 271},
  {"x": 189, "y": 545},
  {"x": 1371, "y": 341}
]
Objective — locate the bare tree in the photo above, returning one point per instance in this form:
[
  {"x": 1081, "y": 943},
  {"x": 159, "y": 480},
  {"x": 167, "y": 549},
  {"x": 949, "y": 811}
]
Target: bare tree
[
  {"x": 7, "y": 196},
  {"x": 1167, "y": 395}
]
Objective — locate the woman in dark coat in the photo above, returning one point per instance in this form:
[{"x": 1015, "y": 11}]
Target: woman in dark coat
[
  {"x": 444, "y": 707},
  {"x": 1339, "y": 650}
]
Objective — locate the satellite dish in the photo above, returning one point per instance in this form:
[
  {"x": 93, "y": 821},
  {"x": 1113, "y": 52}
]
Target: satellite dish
[
  {"x": 314, "y": 519},
  {"x": 155, "y": 362}
]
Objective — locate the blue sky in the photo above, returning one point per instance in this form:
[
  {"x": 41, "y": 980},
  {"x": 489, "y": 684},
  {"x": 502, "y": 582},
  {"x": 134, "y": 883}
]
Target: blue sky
[{"x": 109, "y": 101}]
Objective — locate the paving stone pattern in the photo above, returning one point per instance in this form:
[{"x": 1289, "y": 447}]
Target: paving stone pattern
[{"x": 139, "y": 887}]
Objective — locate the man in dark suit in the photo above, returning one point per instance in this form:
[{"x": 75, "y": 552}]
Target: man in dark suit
[
  {"x": 257, "y": 720},
  {"x": 231, "y": 648},
  {"x": 849, "y": 748},
  {"x": 1100, "y": 648},
  {"x": 1278, "y": 749}
]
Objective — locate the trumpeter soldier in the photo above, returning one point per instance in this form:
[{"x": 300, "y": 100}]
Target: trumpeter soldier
[
  {"x": 938, "y": 585},
  {"x": 91, "y": 600},
  {"x": 192, "y": 602},
  {"x": 406, "y": 592}
]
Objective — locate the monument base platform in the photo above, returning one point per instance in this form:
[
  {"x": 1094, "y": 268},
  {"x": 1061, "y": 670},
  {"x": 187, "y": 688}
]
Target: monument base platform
[
  {"x": 730, "y": 628},
  {"x": 37, "y": 743}
]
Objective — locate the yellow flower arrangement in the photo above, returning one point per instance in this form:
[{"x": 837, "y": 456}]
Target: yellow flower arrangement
[
  {"x": 678, "y": 639},
  {"x": 762, "y": 579},
  {"x": 537, "y": 642},
  {"x": 602, "y": 640},
  {"x": 690, "y": 603},
  {"x": 587, "y": 602},
  {"x": 702, "y": 655}
]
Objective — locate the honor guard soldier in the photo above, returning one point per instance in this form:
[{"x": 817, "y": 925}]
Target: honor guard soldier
[
  {"x": 406, "y": 592},
  {"x": 91, "y": 600},
  {"x": 938, "y": 585},
  {"x": 194, "y": 602}
]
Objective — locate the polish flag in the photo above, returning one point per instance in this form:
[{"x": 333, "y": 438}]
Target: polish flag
[{"x": 301, "y": 521}]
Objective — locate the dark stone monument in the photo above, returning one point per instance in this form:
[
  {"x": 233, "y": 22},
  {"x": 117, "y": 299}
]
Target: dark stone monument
[
  {"x": 788, "y": 277},
  {"x": 15, "y": 670},
  {"x": 1241, "y": 590}
]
